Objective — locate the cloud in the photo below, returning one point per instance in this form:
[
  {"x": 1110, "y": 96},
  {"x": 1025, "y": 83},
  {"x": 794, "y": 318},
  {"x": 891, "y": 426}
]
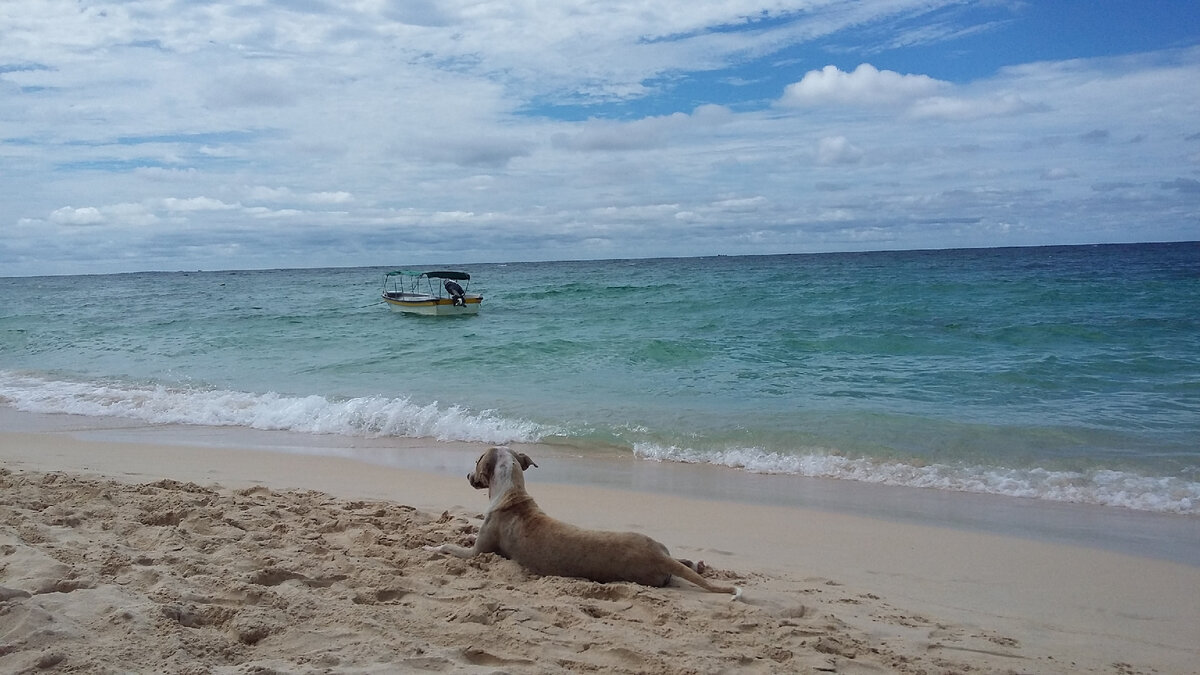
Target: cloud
[
  {"x": 834, "y": 150},
  {"x": 921, "y": 96},
  {"x": 598, "y": 135},
  {"x": 480, "y": 151},
  {"x": 969, "y": 109},
  {"x": 196, "y": 204},
  {"x": 269, "y": 194},
  {"x": 426, "y": 13},
  {"x": 158, "y": 173},
  {"x": 866, "y": 85},
  {"x": 178, "y": 210},
  {"x": 262, "y": 193},
  {"x": 88, "y": 215},
  {"x": 252, "y": 89},
  {"x": 339, "y": 197},
  {"x": 284, "y": 134},
  {"x": 114, "y": 215}
]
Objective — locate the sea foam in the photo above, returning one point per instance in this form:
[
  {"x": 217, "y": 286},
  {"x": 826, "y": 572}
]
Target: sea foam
[
  {"x": 361, "y": 416},
  {"x": 1102, "y": 487}
]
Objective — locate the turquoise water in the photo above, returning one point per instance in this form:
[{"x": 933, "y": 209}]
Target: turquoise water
[{"x": 1065, "y": 373}]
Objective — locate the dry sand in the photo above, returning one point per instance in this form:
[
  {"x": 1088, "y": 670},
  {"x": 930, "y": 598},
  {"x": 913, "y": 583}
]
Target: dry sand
[{"x": 129, "y": 557}]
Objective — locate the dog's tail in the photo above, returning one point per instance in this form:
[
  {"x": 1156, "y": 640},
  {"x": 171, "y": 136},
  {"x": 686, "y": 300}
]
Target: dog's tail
[{"x": 687, "y": 573}]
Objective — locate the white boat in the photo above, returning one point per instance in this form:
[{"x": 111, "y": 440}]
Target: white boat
[{"x": 435, "y": 293}]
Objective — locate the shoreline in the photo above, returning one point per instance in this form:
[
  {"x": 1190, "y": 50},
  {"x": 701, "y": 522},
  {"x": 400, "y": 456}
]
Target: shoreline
[
  {"x": 835, "y": 590},
  {"x": 1165, "y": 536}
]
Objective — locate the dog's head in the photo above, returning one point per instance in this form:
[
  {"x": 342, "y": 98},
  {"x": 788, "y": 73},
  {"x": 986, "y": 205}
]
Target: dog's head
[{"x": 498, "y": 461}]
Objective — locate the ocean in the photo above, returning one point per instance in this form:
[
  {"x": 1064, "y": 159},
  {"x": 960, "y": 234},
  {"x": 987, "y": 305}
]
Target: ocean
[{"x": 1067, "y": 374}]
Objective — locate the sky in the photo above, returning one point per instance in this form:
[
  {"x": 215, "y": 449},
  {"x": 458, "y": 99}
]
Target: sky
[{"x": 141, "y": 135}]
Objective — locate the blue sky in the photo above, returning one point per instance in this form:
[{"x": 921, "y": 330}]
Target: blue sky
[{"x": 165, "y": 134}]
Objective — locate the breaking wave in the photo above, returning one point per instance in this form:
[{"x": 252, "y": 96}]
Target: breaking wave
[
  {"x": 362, "y": 416},
  {"x": 1100, "y": 486}
]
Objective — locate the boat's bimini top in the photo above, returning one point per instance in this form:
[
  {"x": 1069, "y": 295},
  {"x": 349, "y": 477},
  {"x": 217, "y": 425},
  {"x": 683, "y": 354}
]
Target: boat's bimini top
[{"x": 436, "y": 274}]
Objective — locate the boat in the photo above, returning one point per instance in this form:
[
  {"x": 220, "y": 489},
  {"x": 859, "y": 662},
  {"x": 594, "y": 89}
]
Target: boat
[{"x": 433, "y": 293}]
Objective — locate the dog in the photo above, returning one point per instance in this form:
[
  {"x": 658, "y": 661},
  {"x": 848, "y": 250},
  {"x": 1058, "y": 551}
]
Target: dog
[{"x": 515, "y": 528}]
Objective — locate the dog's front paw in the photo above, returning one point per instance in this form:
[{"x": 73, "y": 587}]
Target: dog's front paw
[{"x": 436, "y": 549}]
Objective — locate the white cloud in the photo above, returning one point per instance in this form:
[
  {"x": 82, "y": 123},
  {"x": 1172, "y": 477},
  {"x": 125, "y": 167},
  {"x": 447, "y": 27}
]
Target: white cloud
[
  {"x": 121, "y": 215},
  {"x": 833, "y": 150},
  {"x": 88, "y": 215},
  {"x": 865, "y": 85},
  {"x": 196, "y": 204},
  {"x": 339, "y": 197},
  {"x": 742, "y": 204},
  {"x": 269, "y": 194},
  {"x": 967, "y": 109},
  {"x": 282, "y": 194},
  {"x": 261, "y": 212},
  {"x": 301, "y": 132},
  {"x": 922, "y": 96},
  {"x": 130, "y": 214},
  {"x": 646, "y": 133},
  {"x": 157, "y": 173}
]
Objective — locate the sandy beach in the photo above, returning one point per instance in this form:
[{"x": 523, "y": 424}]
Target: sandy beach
[{"x": 134, "y": 555}]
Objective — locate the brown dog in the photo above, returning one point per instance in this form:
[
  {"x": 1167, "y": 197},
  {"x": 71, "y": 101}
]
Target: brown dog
[{"x": 516, "y": 528}]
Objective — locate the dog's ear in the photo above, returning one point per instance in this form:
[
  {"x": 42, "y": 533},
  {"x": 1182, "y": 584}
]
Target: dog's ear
[{"x": 524, "y": 460}]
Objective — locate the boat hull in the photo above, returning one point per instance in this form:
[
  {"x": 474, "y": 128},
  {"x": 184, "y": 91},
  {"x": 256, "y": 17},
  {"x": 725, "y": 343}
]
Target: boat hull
[{"x": 433, "y": 306}]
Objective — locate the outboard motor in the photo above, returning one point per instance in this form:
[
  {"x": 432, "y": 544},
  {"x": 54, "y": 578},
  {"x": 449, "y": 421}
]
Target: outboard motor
[{"x": 455, "y": 292}]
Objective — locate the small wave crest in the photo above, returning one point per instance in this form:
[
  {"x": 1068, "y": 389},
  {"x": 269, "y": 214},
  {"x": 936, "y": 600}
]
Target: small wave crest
[
  {"x": 363, "y": 416},
  {"x": 1101, "y": 486}
]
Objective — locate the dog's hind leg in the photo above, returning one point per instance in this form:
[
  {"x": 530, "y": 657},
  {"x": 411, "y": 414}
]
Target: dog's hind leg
[
  {"x": 452, "y": 549},
  {"x": 686, "y": 572}
]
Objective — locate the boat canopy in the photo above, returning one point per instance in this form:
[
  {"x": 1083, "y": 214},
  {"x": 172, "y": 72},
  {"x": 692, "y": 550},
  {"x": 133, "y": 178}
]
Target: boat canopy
[{"x": 436, "y": 274}]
